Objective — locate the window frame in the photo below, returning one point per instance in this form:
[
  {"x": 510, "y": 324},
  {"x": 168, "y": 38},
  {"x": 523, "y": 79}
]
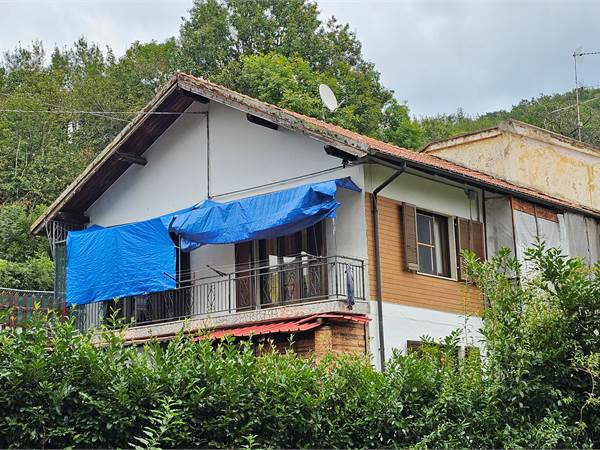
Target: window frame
[{"x": 448, "y": 249}]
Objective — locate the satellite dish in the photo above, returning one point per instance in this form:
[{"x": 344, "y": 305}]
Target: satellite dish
[{"x": 328, "y": 97}]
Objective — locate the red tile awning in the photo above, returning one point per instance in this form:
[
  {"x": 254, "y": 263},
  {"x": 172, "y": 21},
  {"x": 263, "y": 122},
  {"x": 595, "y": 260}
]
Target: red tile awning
[{"x": 286, "y": 326}]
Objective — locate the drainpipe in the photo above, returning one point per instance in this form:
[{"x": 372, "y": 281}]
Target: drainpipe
[{"x": 375, "y": 212}]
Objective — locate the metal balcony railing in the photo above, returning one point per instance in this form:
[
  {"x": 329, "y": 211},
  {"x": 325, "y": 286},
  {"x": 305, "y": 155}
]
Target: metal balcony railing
[{"x": 297, "y": 279}]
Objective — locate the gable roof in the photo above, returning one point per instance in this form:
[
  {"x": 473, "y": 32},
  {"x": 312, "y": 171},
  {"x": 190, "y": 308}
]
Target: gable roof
[{"x": 183, "y": 89}]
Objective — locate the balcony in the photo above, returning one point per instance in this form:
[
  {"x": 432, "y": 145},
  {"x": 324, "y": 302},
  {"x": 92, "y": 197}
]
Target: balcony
[{"x": 301, "y": 285}]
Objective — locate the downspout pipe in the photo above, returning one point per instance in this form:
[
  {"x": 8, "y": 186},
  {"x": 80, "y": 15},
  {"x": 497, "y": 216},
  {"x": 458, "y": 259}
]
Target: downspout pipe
[{"x": 378, "y": 289}]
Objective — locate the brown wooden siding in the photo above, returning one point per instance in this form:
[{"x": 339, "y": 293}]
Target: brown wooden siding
[
  {"x": 407, "y": 288},
  {"x": 535, "y": 210}
]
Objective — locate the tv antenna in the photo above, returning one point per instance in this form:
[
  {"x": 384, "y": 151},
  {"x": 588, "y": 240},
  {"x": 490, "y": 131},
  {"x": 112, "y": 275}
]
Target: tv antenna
[
  {"x": 577, "y": 54},
  {"x": 328, "y": 98}
]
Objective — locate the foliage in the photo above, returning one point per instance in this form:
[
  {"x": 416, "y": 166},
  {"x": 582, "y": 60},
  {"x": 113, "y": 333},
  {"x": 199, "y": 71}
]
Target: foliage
[
  {"x": 16, "y": 243},
  {"x": 534, "y": 386},
  {"x": 277, "y": 51},
  {"x": 397, "y": 126},
  {"x": 280, "y": 52},
  {"x": 36, "y": 273},
  {"x": 542, "y": 340},
  {"x": 552, "y": 112},
  {"x": 25, "y": 263}
]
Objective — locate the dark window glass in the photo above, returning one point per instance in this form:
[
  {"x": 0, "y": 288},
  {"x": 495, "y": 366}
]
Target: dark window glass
[
  {"x": 424, "y": 228},
  {"x": 426, "y": 259},
  {"x": 433, "y": 246}
]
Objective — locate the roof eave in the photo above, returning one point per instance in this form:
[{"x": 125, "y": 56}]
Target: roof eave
[
  {"x": 475, "y": 182},
  {"x": 38, "y": 226}
]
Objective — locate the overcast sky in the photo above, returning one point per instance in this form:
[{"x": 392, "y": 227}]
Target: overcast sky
[{"x": 479, "y": 55}]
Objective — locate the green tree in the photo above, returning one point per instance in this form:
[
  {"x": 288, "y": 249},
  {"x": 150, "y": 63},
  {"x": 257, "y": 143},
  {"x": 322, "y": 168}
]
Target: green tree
[
  {"x": 397, "y": 126},
  {"x": 280, "y": 52}
]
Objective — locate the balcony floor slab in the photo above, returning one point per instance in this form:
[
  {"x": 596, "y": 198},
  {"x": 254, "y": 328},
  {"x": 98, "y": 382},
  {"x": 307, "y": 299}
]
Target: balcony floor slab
[{"x": 198, "y": 324}]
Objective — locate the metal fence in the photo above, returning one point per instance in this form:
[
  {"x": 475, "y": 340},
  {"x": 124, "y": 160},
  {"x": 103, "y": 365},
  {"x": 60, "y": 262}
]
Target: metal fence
[
  {"x": 17, "y": 305},
  {"x": 298, "y": 279}
]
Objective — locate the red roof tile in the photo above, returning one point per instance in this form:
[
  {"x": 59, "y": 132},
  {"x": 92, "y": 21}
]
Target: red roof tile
[
  {"x": 374, "y": 146},
  {"x": 285, "y": 326},
  {"x": 353, "y": 142}
]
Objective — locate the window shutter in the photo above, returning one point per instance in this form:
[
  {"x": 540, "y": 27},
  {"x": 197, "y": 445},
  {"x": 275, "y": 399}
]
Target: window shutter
[
  {"x": 478, "y": 239},
  {"x": 409, "y": 228},
  {"x": 469, "y": 236}
]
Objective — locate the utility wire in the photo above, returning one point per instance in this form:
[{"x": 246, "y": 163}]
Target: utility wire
[{"x": 41, "y": 111}]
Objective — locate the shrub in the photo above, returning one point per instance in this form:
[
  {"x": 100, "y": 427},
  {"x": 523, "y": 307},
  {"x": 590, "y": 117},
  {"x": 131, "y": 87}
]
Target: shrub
[{"x": 533, "y": 387}]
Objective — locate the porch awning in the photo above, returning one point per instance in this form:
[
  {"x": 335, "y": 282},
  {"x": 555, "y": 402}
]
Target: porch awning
[
  {"x": 284, "y": 326},
  {"x": 261, "y": 216}
]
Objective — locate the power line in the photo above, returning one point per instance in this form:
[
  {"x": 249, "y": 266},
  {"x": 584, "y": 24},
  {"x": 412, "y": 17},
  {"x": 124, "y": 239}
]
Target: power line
[{"x": 55, "y": 111}]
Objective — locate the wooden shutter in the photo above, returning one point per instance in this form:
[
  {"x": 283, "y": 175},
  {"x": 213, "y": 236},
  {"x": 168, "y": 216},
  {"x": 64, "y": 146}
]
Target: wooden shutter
[
  {"x": 470, "y": 236},
  {"x": 409, "y": 235},
  {"x": 478, "y": 239}
]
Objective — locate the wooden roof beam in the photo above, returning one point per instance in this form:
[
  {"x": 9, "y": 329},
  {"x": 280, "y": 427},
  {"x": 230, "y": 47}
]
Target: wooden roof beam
[
  {"x": 130, "y": 158},
  {"x": 72, "y": 217},
  {"x": 262, "y": 122}
]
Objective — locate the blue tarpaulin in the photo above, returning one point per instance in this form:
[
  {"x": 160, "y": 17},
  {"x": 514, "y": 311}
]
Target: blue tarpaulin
[
  {"x": 261, "y": 216},
  {"x": 140, "y": 258},
  {"x": 120, "y": 261}
]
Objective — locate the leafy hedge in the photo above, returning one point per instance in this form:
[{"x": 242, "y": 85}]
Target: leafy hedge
[{"x": 534, "y": 388}]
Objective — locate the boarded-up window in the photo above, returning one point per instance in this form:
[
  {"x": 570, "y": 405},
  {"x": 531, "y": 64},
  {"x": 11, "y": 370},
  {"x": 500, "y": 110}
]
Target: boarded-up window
[
  {"x": 409, "y": 228},
  {"x": 470, "y": 235}
]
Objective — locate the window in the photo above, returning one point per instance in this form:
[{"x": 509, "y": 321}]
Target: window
[
  {"x": 284, "y": 269},
  {"x": 432, "y": 244}
]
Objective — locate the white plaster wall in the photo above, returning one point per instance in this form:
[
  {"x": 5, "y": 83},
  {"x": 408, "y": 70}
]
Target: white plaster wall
[
  {"x": 425, "y": 193},
  {"x": 244, "y": 154},
  {"x": 173, "y": 178},
  {"x": 406, "y": 323}
]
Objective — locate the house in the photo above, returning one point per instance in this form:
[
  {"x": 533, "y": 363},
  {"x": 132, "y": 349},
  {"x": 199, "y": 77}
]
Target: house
[{"x": 212, "y": 211}]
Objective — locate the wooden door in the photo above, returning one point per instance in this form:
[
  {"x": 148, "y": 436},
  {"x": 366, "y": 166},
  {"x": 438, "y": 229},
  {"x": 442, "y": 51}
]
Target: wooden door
[{"x": 244, "y": 291}]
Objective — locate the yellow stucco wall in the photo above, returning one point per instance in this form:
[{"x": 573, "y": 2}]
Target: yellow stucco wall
[{"x": 558, "y": 170}]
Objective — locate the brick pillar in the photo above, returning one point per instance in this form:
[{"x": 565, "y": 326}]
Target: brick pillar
[{"x": 323, "y": 341}]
